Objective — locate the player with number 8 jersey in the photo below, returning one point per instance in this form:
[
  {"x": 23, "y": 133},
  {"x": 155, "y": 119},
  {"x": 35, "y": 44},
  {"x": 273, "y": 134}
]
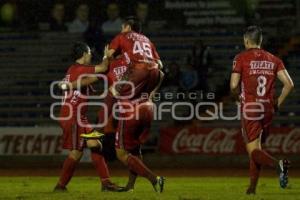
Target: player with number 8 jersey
[{"x": 253, "y": 76}]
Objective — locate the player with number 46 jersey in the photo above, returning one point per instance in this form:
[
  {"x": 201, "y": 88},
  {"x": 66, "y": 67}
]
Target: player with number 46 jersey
[{"x": 253, "y": 78}]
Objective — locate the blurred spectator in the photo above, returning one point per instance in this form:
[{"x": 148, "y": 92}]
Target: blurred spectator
[
  {"x": 141, "y": 12},
  {"x": 188, "y": 79},
  {"x": 172, "y": 75},
  {"x": 201, "y": 60},
  {"x": 81, "y": 22},
  {"x": 8, "y": 16},
  {"x": 57, "y": 18},
  {"x": 114, "y": 22}
]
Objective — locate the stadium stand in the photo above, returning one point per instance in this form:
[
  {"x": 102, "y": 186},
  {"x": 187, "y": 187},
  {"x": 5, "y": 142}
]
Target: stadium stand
[{"x": 31, "y": 61}]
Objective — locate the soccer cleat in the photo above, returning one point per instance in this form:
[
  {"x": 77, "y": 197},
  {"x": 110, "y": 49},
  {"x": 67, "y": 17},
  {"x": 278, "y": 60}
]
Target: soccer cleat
[
  {"x": 59, "y": 188},
  {"x": 111, "y": 187},
  {"x": 92, "y": 135},
  {"x": 283, "y": 166},
  {"x": 250, "y": 190},
  {"x": 159, "y": 185}
]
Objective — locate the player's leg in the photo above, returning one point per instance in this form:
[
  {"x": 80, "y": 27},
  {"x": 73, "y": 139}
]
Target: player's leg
[
  {"x": 132, "y": 176},
  {"x": 136, "y": 165},
  {"x": 72, "y": 143},
  {"x": 68, "y": 169},
  {"x": 103, "y": 116},
  {"x": 100, "y": 165}
]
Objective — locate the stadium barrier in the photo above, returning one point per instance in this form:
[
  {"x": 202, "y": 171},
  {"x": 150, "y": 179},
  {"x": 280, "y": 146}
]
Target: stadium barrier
[{"x": 223, "y": 141}]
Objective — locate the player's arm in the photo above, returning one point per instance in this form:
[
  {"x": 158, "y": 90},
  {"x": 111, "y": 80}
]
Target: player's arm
[
  {"x": 156, "y": 56},
  {"x": 78, "y": 83},
  {"x": 161, "y": 78},
  {"x": 102, "y": 67},
  {"x": 235, "y": 79},
  {"x": 160, "y": 64},
  {"x": 114, "y": 46},
  {"x": 235, "y": 83},
  {"x": 84, "y": 81},
  {"x": 288, "y": 86}
]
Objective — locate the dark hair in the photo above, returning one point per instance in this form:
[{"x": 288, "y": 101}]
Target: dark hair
[
  {"x": 254, "y": 33},
  {"x": 134, "y": 23},
  {"x": 78, "y": 49}
]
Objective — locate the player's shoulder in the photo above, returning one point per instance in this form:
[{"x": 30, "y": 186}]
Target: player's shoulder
[
  {"x": 241, "y": 55},
  {"x": 121, "y": 35},
  {"x": 77, "y": 67},
  {"x": 271, "y": 56}
]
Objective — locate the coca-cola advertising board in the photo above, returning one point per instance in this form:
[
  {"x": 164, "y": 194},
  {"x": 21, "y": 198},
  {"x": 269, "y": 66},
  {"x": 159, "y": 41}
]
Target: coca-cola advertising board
[{"x": 200, "y": 140}]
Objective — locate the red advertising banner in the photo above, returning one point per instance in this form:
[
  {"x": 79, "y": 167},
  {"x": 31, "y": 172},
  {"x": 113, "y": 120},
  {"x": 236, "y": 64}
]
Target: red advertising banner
[{"x": 199, "y": 140}]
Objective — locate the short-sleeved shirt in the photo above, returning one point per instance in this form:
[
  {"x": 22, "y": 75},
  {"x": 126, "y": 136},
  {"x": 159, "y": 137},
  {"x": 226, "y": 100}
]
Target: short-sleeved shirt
[
  {"x": 75, "y": 97},
  {"x": 117, "y": 68},
  {"x": 258, "y": 69},
  {"x": 135, "y": 45},
  {"x": 142, "y": 56}
]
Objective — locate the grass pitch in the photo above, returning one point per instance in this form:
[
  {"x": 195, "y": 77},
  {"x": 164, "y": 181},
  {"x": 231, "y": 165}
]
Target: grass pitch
[{"x": 202, "y": 188}]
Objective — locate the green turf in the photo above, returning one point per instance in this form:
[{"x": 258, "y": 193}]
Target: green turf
[{"x": 231, "y": 188}]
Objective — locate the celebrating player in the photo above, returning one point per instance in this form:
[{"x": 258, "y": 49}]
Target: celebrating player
[
  {"x": 144, "y": 73},
  {"x": 73, "y": 125},
  {"x": 254, "y": 74}
]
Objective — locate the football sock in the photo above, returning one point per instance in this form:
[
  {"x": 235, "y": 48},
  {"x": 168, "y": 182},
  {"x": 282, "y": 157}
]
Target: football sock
[
  {"x": 131, "y": 179},
  {"x": 261, "y": 157},
  {"x": 254, "y": 171},
  {"x": 136, "y": 165},
  {"x": 100, "y": 165},
  {"x": 67, "y": 171}
]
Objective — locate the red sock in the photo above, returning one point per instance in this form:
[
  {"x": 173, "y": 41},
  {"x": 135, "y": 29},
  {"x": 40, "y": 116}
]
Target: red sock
[
  {"x": 261, "y": 157},
  {"x": 100, "y": 165},
  {"x": 67, "y": 171},
  {"x": 136, "y": 165},
  {"x": 254, "y": 170}
]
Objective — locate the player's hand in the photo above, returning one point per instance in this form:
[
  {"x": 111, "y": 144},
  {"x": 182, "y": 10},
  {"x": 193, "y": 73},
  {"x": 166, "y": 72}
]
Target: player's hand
[
  {"x": 113, "y": 91},
  {"x": 105, "y": 52},
  {"x": 64, "y": 85}
]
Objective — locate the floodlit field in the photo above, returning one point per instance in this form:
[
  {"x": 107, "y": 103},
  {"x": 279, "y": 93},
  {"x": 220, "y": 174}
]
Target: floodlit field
[{"x": 203, "y": 188}]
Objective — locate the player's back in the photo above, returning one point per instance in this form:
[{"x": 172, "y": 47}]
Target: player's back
[
  {"x": 73, "y": 98},
  {"x": 117, "y": 68},
  {"x": 258, "y": 69},
  {"x": 136, "y": 46}
]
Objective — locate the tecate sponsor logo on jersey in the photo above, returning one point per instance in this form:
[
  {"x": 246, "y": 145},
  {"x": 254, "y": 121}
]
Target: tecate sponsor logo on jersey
[
  {"x": 216, "y": 141},
  {"x": 284, "y": 142}
]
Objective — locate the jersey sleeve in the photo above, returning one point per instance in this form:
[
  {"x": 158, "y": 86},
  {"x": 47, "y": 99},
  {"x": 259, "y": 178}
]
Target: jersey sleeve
[
  {"x": 86, "y": 69},
  {"x": 237, "y": 66},
  {"x": 280, "y": 65},
  {"x": 116, "y": 42}
]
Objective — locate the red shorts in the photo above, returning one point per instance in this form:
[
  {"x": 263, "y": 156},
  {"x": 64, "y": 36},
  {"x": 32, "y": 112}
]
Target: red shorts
[
  {"x": 133, "y": 132},
  {"x": 253, "y": 129},
  {"x": 71, "y": 134},
  {"x": 109, "y": 102}
]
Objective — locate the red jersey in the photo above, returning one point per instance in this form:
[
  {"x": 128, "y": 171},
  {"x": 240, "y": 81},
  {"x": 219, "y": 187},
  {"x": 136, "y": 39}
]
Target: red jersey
[
  {"x": 135, "y": 46},
  {"x": 142, "y": 55},
  {"x": 75, "y": 97},
  {"x": 258, "y": 69},
  {"x": 117, "y": 68}
]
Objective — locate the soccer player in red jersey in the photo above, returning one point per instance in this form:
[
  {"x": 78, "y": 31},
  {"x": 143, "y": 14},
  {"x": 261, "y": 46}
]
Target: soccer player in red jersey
[
  {"x": 145, "y": 75},
  {"x": 253, "y": 76},
  {"x": 135, "y": 118},
  {"x": 73, "y": 125}
]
